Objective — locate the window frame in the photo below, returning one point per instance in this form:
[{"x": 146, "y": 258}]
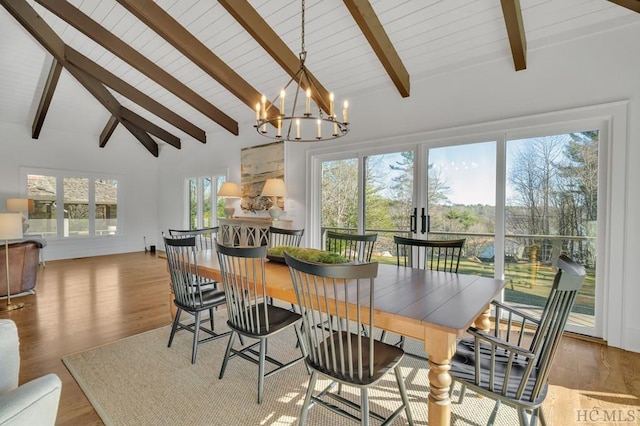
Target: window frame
[{"x": 60, "y": 175}]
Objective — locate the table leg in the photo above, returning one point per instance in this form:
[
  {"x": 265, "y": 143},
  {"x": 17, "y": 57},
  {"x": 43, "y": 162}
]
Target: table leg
[
  {"x": 440, "y": 347},
  {"x": 483, "y": 322}
]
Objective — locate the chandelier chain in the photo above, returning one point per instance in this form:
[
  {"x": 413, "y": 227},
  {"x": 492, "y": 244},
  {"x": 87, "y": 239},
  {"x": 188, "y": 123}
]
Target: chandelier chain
[{"x": 302, "y": 51}]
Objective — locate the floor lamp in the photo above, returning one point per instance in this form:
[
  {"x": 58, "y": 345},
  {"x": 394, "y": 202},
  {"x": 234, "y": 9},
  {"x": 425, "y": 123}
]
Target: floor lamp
[{"x": 10, "y": 229}]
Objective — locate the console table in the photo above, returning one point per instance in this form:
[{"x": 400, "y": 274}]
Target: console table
[{"x": 248, "y": 231}]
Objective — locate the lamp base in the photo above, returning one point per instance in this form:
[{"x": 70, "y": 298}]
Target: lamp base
[
  {"x": 275, "y": 212},
  {"x": 229, "y": 211},
  {"x": 11, "y": 307}
]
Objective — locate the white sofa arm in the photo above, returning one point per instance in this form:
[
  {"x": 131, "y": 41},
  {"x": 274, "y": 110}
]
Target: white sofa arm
[{"x": 35, "y": 403}]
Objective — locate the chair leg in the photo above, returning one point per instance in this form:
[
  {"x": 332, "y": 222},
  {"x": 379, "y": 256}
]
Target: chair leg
[
  {"x": 196, "y": 336},
  {"x": 176, "y": 320},
  {"x": 543, "y": 421},
  {"x": 383, "y": 335},
  {"x": 306, "y": 405},
  {"x": 494, "y": 414},
  {"x": 364, "y": 405},
  {"x": 403, "y": 393},
  {"x": 263, "y": 354},
  {"x": 227, "y": 354},
  {"x": 300, "y": 343},
  {"x": 211, "y": 319}
]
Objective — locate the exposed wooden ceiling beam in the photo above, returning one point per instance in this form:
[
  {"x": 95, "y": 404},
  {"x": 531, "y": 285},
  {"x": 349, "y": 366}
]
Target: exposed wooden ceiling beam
[
  {"x": 629, "y": 4},
  {"x": 112, "y": 105},
  {"x": 100, "y": 35},
  {"x": 255, "y": 25},
  {"x": 149, "y": 127},
  {"x": 108, "y": 130},
  {"x": 39, "y": 29},
  {"x": 127, "y": 90},
  {"x": 374, "y": 32},
  {"x": 179, "y": 37},
  {"x": 45, "y": 99},
  {"x": 515, "y": 30}
]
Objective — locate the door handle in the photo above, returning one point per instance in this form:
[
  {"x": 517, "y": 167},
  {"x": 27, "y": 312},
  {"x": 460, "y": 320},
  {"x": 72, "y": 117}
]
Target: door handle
[
  {"x": 424, "y": 222},
  {"x": 413, "y": 221}
]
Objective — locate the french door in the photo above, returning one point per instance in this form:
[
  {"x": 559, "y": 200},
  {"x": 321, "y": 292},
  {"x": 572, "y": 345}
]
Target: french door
[{"x": 519, "y": 199}]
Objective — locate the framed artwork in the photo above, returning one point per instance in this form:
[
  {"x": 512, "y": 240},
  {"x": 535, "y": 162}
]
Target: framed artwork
[{"x": 257, "y": 164}]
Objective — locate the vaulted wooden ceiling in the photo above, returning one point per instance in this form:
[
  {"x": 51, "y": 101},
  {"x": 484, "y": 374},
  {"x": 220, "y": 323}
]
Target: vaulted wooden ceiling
[{"x": 167, "y": 70}]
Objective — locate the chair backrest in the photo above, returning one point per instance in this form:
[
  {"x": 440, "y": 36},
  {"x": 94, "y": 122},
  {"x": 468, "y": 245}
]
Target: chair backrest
[
  {"x": 566, "y": 284},
  {"x": 183, "y": 268},
  {"x": 544, "y": 344},
  {"x": 204, "y": 236},
  {"x": 285, "y": 237},
  {"x": 438, "y": 255},
  {"x": 324, "y": 291},
  {"x": 243, "y": 278},
  {"x": 352, "y": 246}
]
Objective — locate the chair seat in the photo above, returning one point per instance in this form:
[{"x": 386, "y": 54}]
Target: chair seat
[
  {"x": 210, "y": 299},
  {"x": 386, "y": 358},
  {"x": 279, "y": 318},
  {"x": 463, "y": 367}
]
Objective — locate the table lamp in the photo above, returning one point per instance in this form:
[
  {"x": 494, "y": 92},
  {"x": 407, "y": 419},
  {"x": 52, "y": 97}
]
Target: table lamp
[
  {"x": 274, "y": 188},
  {"x": 229, "y": 191},
  {"x": 10, "y": 229},
  {"x": 24, "y": 206}
]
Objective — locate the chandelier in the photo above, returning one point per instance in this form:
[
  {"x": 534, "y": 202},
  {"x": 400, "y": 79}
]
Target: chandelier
[{"x": 301, "y": 124}]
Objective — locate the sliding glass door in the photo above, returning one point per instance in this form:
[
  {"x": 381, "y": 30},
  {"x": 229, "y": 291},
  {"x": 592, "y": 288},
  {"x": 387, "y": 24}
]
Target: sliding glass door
[{"x": 520, "y": 199}]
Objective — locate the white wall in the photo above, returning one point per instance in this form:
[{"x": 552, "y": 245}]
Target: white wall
[{"x": 56, "y": 149}]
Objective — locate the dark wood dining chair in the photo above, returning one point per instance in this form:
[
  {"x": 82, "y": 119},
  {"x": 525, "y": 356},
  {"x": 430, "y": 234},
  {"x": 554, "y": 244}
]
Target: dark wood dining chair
[
  {"x": 352, "y": 246},
  {"x": 512, "y": 364},
  {"x": 249, "y": 313},
  {"x": 193, "y": 293},
  {"x": 285, "y": 237},
  {"x": 339, "y": 352},
  {"x": 437, "y": 255},
  {"x": 204, "y": 238}
]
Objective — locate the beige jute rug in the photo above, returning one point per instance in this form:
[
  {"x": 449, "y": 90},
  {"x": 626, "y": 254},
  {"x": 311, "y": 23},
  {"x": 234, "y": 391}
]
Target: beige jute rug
[{"x": 139, "y": 381}]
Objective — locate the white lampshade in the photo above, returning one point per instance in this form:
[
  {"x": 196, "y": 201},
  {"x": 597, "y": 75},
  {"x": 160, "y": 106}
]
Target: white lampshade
[
  {"x": 229, "y": 190},
  {"x": 19, "y": 205},
  {"x": 274, "y": 188},
  {"x": 10, "y": 226}
]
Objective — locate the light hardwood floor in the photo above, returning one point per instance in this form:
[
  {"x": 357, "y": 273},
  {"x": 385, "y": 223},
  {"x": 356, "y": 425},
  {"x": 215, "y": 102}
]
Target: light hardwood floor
[{"x": 83, "y": 303}]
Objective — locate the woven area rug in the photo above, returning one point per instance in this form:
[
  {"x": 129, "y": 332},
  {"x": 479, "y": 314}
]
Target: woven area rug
[{"x": 139, "y": 381}]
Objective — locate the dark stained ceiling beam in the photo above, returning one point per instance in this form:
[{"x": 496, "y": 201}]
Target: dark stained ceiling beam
[
  {"x": 515, "y": 30},
  {"x": 113, "y": 106},
  {"x": 127, "y": 90},
  {"x": 45, "y": 99},
  {"x": 255, "y": 25},
  {"x": 374, "y": 32},
  {"x": 45, "y": 35},
  {"x": 108, "y": 130},
  {"x": 106, "y": 39},
  {"x": 629, "y": 4},
  {"x": 149, "y": 127},
  {"x": 186, "y": 43}
]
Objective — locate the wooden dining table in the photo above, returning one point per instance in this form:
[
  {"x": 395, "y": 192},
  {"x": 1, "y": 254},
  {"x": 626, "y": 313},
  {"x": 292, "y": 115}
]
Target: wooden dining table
[{"x": 433, "y": 307}]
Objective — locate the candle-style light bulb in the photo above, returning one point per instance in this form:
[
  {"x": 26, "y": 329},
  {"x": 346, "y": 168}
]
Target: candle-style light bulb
[
  {"x": 264, "y": 107},
  {"x": 257, "y": 112},
  {"x": 282, "y": 93},
  {"x": 331, "y": 104},
  {"x": 297, "y": 128},
  {"x": 308, "y": 109},
  {"x": 345, "y": 107}
]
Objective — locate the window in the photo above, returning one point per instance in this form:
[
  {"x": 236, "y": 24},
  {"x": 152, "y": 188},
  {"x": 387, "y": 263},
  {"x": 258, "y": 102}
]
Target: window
[
  {"x": 203, "y": 205},
  {"x": 90, "y": 204}
]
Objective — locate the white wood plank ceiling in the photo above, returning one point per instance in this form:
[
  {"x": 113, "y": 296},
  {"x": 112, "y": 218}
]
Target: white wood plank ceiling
[{"x": 430, "y": 36}]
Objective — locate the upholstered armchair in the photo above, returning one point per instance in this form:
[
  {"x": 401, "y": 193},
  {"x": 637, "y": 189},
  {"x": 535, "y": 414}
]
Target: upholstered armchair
[{"x": 33, "y": 403}]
